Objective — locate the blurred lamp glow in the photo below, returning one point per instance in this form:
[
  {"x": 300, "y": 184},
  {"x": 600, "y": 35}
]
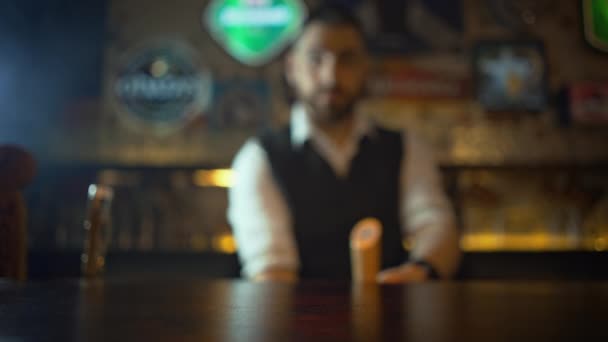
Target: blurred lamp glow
[
  {"x": 224, "y": 243},
  {"x": 223, "y": 178}
]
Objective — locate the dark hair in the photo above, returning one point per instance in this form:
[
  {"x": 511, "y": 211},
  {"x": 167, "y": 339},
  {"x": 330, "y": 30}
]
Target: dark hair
[
  {"x": 325, "y": 13},
  {"x": 334, "y": 14}
]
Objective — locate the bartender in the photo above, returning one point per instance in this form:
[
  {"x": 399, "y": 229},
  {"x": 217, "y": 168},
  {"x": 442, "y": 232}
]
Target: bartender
[{"x": 300, "y": 190}]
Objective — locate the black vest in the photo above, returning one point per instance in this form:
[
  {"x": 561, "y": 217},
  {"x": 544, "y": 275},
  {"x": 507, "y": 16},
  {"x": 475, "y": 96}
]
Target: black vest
[{"x": 324, "y": 208}]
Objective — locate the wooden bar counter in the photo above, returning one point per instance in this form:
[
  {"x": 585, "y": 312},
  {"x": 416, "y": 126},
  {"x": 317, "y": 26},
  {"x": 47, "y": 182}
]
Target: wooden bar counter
[{"x": 194, "y": 309}]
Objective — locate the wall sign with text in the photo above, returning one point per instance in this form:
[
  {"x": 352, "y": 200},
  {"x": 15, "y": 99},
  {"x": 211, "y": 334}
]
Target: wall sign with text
[
  {"x": 411, "y": 26},
  {"x": 161, "y": 87},
  {"x": 595, "y": 16},
  {"x": 241, "y": 103},
  {"x": 254, "y": 31},
  {"x": 400, "y": 80},
  {"x": 510, "y": 76},
  {"x": 588, "y": 102}
]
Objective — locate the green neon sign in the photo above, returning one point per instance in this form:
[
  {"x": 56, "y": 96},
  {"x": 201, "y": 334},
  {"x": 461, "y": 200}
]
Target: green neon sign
[
  {"x": 254, "y": 31},
  {"x": 596, "y": 23}
]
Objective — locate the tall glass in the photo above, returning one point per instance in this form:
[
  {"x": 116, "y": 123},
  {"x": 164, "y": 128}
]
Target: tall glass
[{"x": 97, "y": 227}]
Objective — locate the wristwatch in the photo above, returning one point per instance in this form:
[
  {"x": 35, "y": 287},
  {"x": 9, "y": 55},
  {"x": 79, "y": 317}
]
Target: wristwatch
[{"x": 431, "y": 271}]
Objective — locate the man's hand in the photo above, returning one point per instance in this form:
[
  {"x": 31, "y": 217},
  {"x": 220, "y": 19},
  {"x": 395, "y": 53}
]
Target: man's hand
[{"x": 406, "y": 273}]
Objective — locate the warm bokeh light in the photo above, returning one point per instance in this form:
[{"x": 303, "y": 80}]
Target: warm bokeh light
[
  {"x": 223, "y": 178},
  {"x": 488, "y": 242},
  {"x": 600, "y": 244},
  {"x": 224, "y": 243}
]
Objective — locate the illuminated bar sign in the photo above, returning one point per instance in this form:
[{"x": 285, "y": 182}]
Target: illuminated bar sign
[
  {"x": 396, "y": 79},
  {"x": 595, "y": 14},
  {"x": 161, "y": 87},
  {"x": 589, "y": 102},
  {"x": 254, "y": 31}
]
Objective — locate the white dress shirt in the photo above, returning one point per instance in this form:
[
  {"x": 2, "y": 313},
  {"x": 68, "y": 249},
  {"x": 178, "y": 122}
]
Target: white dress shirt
[{"x": 262, "y": 222}]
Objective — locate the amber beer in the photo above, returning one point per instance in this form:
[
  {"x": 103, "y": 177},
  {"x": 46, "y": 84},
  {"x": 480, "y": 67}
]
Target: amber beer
[
  {"x": 365, "y": 250},
  {"x": 97, "y": 226}
]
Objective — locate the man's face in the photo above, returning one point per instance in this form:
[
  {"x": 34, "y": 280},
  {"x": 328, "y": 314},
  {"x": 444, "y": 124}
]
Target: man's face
[{"x": 327, "y": 69}]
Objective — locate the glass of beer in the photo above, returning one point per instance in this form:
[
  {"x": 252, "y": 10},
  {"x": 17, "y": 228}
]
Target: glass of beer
[{"x": 97, "y": 227}]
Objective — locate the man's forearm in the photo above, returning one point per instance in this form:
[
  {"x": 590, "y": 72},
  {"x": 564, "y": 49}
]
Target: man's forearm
[{"x": 438, "y": 245}]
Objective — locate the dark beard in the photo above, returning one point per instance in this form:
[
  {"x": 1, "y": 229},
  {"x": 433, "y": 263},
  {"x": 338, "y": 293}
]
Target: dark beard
[{"x": 333, "y": 114}]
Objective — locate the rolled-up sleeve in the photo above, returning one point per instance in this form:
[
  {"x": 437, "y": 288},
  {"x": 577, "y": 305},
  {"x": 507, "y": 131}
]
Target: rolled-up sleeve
[
  {"x": 426, "y": 212},
  {"x": 258, "y": 215}
]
